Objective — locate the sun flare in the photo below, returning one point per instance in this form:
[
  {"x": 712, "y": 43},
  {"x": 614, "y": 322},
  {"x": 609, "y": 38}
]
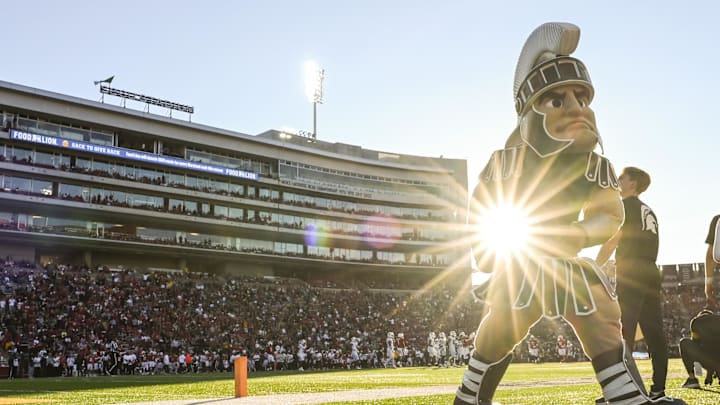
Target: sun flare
[{"x": 505, "y": 230}]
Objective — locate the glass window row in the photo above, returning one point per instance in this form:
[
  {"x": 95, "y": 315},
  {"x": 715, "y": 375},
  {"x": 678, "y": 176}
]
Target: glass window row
[
  {"x": 43, "y": 127},
  {"x": 129, "y": 232},
  {"x": 147, "y": 175},
  {"x": 376, "y": 228},
  {"x": 242, "y": 163},
  {"x": 62, "y": 131},
  {"x": 336, "y": 184},
  {"x": 369, "y": 181}
]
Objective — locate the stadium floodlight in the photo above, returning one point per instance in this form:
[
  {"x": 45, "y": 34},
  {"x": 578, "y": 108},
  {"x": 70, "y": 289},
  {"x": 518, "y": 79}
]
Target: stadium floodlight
[{"x": 314, "y": 77}]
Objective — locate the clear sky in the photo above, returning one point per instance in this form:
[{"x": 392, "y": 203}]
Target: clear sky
[{"x": 412, "y": 76}]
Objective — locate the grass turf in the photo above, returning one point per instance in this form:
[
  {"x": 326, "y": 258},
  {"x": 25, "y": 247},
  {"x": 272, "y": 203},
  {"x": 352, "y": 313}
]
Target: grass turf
[{"x": 537, "y": 384}]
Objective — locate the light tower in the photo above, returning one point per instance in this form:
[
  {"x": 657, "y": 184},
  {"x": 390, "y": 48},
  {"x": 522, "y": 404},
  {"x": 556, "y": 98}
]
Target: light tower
[{"x": 314, "y": 77}]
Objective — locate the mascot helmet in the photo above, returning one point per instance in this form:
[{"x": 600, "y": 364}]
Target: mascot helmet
[{"x": 544, "y": 64}]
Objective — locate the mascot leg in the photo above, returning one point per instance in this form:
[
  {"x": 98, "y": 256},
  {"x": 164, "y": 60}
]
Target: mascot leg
[
  {"x": 601, "y": 337},
  {"x": 495, "y": 339},
  {"x": 616, "y": 380},
  {"x": 632, "y": 368},
  {"x": 481, "y": 380}
]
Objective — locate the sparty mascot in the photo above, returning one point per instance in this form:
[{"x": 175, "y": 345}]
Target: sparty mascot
[{"x": 535, "y": 190}]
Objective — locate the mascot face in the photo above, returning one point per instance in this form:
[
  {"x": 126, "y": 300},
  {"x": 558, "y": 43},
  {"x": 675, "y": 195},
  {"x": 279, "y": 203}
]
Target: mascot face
[
  {"x": 561, "y": 120},
  {"x": 568, "y": 116}
]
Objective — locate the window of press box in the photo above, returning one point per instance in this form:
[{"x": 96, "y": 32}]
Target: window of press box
[
  {"x": 17, "y": 184},
  {"x": 220, "y": 211},
  {"x": 21, "y": 155},
  {"x": 42, "y": 187},
  {"x": 43, "y": 127},
  {"x": 51, "y": 159},
  {"x": 71, "y": 191},
  {"x": 136, "y": 142},
  {"x": 218, "y": 186},
  {"x": 176, "y": 179}
]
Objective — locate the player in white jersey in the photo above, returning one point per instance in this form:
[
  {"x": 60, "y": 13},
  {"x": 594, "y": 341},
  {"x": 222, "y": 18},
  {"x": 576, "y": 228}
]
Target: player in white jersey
[
  {"x": 112, "y": 359},
  {"x": 71, "y": 367},
  {"x": 390, "y": 350},
  {"x": 432, "y": 350},
  {"x": 302, "y": 354},
  {"x": 441, "y": 345},
  {"x": 354, "y": 353},
  {"x": 453, "y": 348},
  {"x": 166, "y": 363}
]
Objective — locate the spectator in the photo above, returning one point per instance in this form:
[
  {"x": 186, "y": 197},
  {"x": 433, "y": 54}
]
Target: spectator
[
  {"x": 711, "y": 258},
  {"x": 702, "y": 347}
]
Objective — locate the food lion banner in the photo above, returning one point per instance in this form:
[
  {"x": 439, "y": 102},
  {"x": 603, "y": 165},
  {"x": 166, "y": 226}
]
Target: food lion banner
[{"x": 130, "y": 154}]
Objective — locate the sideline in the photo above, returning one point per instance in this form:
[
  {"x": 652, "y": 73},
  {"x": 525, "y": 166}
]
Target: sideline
[
  {"x": 353, "y": 395},
  {"x": 317, "y": 397}
]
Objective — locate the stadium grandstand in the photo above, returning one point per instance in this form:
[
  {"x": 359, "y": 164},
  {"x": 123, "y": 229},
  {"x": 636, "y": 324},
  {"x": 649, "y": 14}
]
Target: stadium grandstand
[
  {"x": 85, "y": 182},
  {"x": 133, "y": 242}
]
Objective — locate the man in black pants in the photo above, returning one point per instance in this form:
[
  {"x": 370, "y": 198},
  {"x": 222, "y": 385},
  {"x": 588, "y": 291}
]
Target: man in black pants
[
  {"x": 703, "y": 347},
  {"x": 638, "y": 279},
  {"x": 711, "y": 259}
]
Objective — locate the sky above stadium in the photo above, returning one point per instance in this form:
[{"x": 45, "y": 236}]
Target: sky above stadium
[{"x": 411, "y": 76}]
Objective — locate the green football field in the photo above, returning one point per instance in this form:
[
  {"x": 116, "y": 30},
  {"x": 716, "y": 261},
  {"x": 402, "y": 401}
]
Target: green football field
[{"x": 537, "y": 384}]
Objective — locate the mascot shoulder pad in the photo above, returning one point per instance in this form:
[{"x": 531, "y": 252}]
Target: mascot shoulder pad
[
  {"x": 502, "y": 165},
  {"x": 599, "y": 170}
]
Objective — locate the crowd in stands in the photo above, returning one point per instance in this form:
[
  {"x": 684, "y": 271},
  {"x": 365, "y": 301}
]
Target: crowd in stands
[
  {"x": 77, "y": 311},
  {"x": 74, "y": 320}
]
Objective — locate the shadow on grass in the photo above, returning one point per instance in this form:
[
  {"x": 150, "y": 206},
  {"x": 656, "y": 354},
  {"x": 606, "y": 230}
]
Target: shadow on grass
[{"x": 708, "y": 389}]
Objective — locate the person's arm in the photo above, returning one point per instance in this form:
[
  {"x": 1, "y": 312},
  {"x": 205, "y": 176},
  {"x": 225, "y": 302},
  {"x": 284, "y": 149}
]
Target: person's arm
[
  {"x": 607, "y": 249},
  {"x": 709, "y": 271},
  {"x": 602, "y": 216}
]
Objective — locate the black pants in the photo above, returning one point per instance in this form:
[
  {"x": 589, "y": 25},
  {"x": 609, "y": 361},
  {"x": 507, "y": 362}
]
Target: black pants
[
  {"x": 691, "y": 351},
  {"x": 638, "y": 290}
]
